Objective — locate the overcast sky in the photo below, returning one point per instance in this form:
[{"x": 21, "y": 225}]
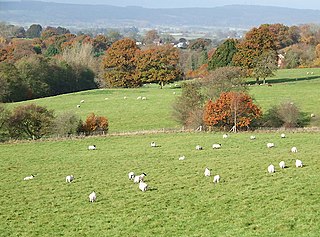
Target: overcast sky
[{"x": 302, "y": 4}]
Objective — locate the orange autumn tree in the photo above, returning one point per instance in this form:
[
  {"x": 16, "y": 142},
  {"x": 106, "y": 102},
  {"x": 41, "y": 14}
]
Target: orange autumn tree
[
  {"x": 232, "y": 110},
  {"x": 95, "y": 124}
]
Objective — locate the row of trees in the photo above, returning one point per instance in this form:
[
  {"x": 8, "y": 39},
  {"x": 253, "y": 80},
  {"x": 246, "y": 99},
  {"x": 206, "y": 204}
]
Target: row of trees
[{"x": 34, "y": 122}]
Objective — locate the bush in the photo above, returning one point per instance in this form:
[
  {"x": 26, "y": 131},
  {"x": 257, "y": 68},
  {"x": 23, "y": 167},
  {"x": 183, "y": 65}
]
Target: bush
[
  {"x": 95, "y": 125},
  {"x": 67, "y": 124},
  {"x": 4, "y": 116},
  {"x": 286, "y": 114}
]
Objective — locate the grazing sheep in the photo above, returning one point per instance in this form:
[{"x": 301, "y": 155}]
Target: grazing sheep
[
  {"x": 92, "y": 197},
  {"x": 92, "y": 147},
  {"x": 78, "y": 106},
  {"x": 271, "y": 169},
  {"x": 28, "y": 177},
  {"x": 282, "y": 165},
  {"x": 299, "y": 163},
  {"x": 174, "y": 92},
  {"x": 216, "y": 179},
  {"x": 131, "y": 175},
  {"x": 270, "y": 145},
  {"x": 106, "y": 98},
  {"x": 252, "y": 137},
  {"x": 283, "y": 135},
  {"x": 124, "y": 97},
  {"x": 182, "y": 158},
  {"x": 294, "y": 150},
  {"x": 312, "y": 115},
  {"x": 216, "y": 146},
  {"x": 153, "y": 144},
  {"x": 69, "y": 178},
  {"x": 139, "y": 178},
  {"x": 81, "y": 101},
  {"x": 198, "y": 147},
  {"x": 144, "y": 98},
  {"x": 143, "y": 186},
  {"x": 225, "y": 136},
  {"x": 139, "y": 98},
  {"x": 207, "y": 172}
]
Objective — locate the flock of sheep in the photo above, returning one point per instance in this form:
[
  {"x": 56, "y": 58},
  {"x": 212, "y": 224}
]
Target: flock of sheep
[{"x": 139, "y": 179}]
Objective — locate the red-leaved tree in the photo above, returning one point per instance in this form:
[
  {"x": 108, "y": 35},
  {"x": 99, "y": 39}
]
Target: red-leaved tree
[{"x": 232, "y": 110}]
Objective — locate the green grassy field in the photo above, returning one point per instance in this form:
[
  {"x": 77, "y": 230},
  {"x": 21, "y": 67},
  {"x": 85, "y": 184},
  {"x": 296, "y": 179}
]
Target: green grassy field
[
  {"x": 156, "y": 112},
  {"x": 181, "y": 201}
]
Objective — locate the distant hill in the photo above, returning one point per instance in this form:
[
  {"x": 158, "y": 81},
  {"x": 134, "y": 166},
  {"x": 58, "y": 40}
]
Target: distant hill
[{"x": 80, "y": 15}]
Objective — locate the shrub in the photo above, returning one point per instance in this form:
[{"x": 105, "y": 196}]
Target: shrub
[
  {"x": 286, "y": 114},
  {"x": 67, "y": 124},
  {"x": 231, "y": 110},
  {"x": 4, "y": 116},
  {"x": 95, "y": 125}
]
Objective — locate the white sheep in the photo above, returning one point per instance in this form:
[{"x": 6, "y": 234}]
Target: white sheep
[
  {"x": 312, "y": 115},
  {"x": 207, "y": 172},
  {"x": 216, "y": 146},
  {"x": 78, "y": 106},
  {"x": 69, "y": 178},
  {"x": 294, "y": 150},
  {"x": 270, "y": 145},
  {"x": 225, "y": 136},
  {"x": 81, "y": 101},
  {"x": 216, "y": 178},
  {"x": 252, "y": 137},
  {"x": 143, "y": 186},
  {"x": 92, "y": 147},
  {"x": 283, "y": 135},
  {"x": 282, "y": 165},
  {"x": 271, "y": 169},
  {"x": 153, "y": 144},
  {"x": 144, "y": 98},
  {"x": 299, "y": 163},
  {"x": 28, "y": 177},
  {"x": 139, "y": 178},
  {"x": 124, "y": 97},
  {"x": 182, "y": 158},
  {"x": 198, "y": 147},
  {"x": 139, "y": 98},
  {"x": 92, "y": 197},
  {"x": 131, "y": 175}
]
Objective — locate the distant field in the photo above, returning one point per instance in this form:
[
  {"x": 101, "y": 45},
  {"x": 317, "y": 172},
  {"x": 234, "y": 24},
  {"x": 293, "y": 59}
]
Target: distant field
[
  {"x": 180, "y": 202},
  {"x": 131, "y": 114}
]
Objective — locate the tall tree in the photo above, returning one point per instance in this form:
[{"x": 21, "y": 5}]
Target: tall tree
[
  {"x": 266, "y": 65},
  {"x": 119, "y": 64},
  {"x": 223, "y": 55},
  {"x": 256, "y": 42},
  {"x": 158, "y": 65}
]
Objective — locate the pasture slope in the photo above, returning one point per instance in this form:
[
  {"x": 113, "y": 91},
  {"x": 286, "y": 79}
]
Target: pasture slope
[
  {"x": 180, "y": 201},
  {"x": 155, "y": 113}
]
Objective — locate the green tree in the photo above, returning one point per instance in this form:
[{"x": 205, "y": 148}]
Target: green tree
[
  {"x": 266, "y": 65},
  {"x": 30, "y": 121},
  {"x": 223, "y": 55},
  {"x": 13, "y": 87}
]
